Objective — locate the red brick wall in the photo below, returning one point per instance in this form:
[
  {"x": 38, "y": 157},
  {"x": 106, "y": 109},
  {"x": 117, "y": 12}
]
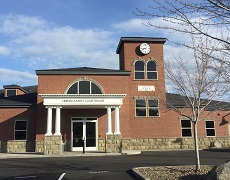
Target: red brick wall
[
  {"x": 8, "y": 117},
  {"x": 145, "y": 127},
  {"x": 167, "y": 125},
  {"x": 174, "y": 127},
  {"x": 56, "y": 84}
]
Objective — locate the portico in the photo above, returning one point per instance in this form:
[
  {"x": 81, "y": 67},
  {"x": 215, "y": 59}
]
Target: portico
[{"x": 58, "y": 102}]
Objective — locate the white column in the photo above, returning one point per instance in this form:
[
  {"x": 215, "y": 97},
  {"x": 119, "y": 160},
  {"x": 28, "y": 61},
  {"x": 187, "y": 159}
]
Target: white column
[
  {"x": 117, "y": 121},
  {"x": 58, "y": 121},
  {"x": 49, "y": 122},
  {"x": 109, "y": 121}
]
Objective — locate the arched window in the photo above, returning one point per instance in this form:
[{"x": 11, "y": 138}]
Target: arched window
[
  {"x": 84, "y": 87},
  {"x": 151, "y": 70},
  {"x": 139, "y": 70}
]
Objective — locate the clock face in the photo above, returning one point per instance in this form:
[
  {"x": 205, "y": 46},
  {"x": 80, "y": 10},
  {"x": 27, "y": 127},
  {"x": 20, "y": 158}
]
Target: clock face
[{"x": 145, "y": 48}]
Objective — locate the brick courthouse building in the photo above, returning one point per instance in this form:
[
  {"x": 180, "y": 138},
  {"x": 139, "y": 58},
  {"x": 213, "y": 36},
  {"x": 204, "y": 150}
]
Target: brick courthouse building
[{"x": 108, "y": 110}]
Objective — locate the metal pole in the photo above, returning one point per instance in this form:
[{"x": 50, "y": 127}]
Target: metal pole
[{"x": 83, "y": 139}]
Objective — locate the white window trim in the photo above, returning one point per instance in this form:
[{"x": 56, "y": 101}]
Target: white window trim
[
  {"x": 11, "y": 89},
  {"x": 210, "y": 128},
  {"x": 185, "y": 128}
]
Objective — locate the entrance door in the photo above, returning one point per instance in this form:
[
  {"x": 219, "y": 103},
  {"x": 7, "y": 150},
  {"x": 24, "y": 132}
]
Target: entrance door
[{"x": 84, "y": 129}]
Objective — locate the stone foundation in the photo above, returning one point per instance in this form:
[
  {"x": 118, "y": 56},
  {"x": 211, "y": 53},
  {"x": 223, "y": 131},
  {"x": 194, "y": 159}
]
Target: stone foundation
[
  {"x": 101, "y": 144},
  {"x": 113, "y": 144},
  {"x": 39, "y": 146},
  {"x": 17, "y": 146},
  {"x": 172, "y": 143},
  {"x": 53, "y": 145}
]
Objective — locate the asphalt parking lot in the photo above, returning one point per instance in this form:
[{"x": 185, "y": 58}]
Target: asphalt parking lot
[{"x": 100, "y": 167}]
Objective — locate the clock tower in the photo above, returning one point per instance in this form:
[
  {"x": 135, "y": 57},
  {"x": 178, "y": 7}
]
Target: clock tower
[{"x": 144, "y": 58}]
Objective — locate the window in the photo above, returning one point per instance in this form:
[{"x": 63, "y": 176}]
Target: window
[
  {"x": 147, "y": 108},
  {"x": 153, "y": 108},
  {"x": 210, "y": 128},
  {"x": 186, "y": 130},
  {"x": 139, "y": 70},
  {"x": 84, "y": 87},
  {"x": 20, "y": 130},
  {"x": 151, "y": 70},
  {"x": 141, "y": 107},
  {"x": 11, "y": 92},
  {"x": 145, "y": 70}
]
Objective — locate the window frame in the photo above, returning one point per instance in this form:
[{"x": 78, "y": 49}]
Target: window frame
[
  {"x": 77, "y": 83},
  {"x": 182, "y": 128},
  {"x": 11, "y": 90},
  {"x": 154, "y": 108},
  {"x": 139, "y": 71},
  {"x": 145, "y": 71},
  {"x": 140, "y": 108},
  {"x": 26, "y": 130},
  {"x": 147, "y": 108},
  {"x": 214, "y": 129}
]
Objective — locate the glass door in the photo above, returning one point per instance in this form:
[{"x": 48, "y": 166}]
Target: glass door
[
  {"x": 84, "y": 130},
  {"x": 90, "y": 134},
  {"x": 78, "y": 134}
]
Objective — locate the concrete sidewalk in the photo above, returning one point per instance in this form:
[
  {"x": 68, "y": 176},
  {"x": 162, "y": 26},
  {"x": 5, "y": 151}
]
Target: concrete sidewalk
[{"x": 65, "y": 154}]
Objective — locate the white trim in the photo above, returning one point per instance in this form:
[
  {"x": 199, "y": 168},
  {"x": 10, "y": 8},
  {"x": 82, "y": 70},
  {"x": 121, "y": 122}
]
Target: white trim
[
  {"x": 186, "y": 128},
  {"x": 109, "y": 121},
  {"x": 83, "y": 100},
  {"x": 84, "y": 120},
  {"x": 58, "y": 121},
  {"x": 49, "y": 122},
  {"x": 117, "y": 121},
  {"x": 16, "y": 93},
  {"x": 210, "y": 128},
  {"x": 83, "y": 95}
]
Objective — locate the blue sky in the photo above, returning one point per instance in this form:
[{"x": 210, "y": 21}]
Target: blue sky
[{"x": 43, "y": 34}]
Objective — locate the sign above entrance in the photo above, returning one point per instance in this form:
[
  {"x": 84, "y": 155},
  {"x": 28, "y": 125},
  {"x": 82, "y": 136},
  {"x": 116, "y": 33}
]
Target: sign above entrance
[{"x": 83, "y": 99}]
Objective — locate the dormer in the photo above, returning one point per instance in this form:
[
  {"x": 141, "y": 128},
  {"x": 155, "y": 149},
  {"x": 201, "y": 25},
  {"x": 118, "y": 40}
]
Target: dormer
[{"x": 13, "y": 90}]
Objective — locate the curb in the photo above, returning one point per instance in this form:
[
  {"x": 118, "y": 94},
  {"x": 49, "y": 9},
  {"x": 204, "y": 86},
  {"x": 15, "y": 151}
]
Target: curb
[
  {"x": 40, "y": 155},
  {"x": 139, "y": 175}
]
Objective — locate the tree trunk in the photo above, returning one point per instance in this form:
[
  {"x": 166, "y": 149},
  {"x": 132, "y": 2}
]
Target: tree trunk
[{"x": 196, "y": 146}]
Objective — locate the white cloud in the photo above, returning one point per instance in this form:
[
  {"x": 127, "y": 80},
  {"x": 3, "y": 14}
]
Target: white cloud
[
  {"x": 133, "y": 25},
  {"x": 4, "y": 50},
  {"x": 40, "y": 45},
  {"x": 14, "y": 24},
  {"x": 17, "y": 78}
]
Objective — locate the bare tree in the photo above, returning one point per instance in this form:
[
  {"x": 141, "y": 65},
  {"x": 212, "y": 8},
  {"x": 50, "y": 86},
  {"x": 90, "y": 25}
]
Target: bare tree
[
  {"x": 210, "y": 18},
  {"x": 211, "y": 15},
  {"x": 198, "y": 84}
]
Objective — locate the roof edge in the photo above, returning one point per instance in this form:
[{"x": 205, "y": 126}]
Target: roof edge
[
  {"x": 53, "y": 72},
  {"x": 138, "y": 39}
]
